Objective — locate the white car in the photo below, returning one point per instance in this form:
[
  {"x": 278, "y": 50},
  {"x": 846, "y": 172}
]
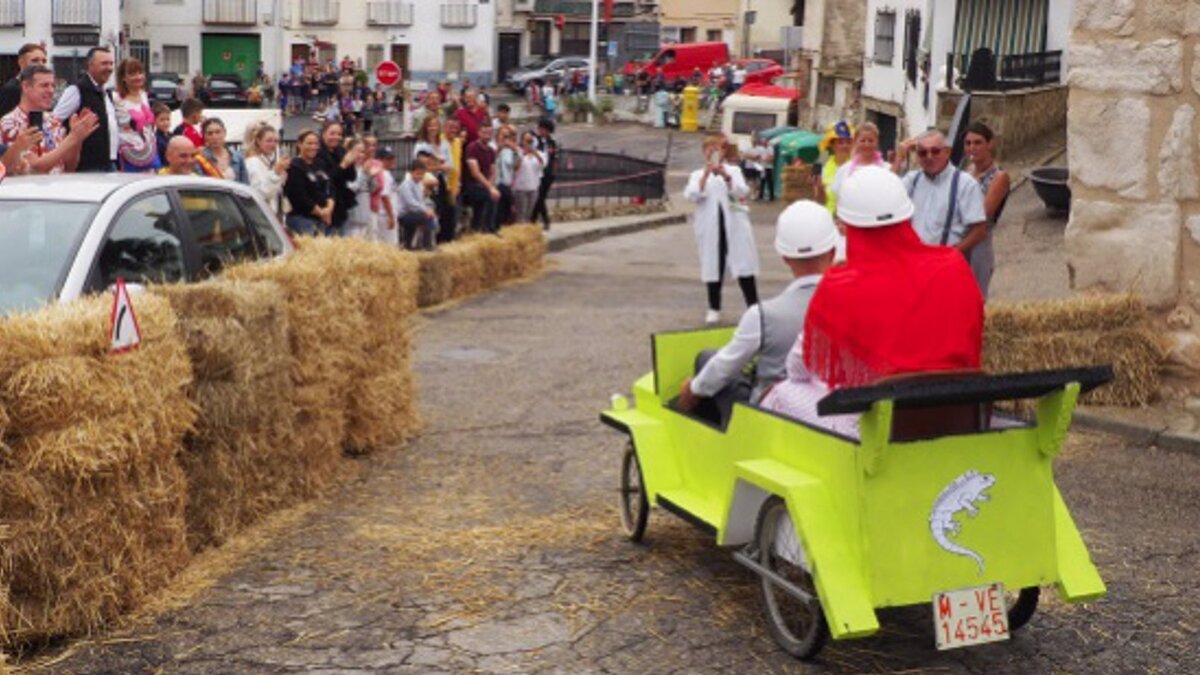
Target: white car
[{"x": 65, "y": 236}]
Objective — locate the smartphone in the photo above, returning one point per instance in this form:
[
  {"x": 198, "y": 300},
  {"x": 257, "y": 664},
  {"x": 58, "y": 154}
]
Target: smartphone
[{"x": 37, "y": 118}]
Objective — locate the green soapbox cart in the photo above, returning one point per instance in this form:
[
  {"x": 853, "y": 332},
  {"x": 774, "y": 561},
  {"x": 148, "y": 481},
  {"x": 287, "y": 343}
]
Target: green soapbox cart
[{"x": 940, "y": 500}]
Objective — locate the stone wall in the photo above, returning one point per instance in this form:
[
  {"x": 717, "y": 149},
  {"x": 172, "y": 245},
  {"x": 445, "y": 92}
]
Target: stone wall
[
  {"x": 1134, "y": 92},
  {"x": 1018, "y": 117}
]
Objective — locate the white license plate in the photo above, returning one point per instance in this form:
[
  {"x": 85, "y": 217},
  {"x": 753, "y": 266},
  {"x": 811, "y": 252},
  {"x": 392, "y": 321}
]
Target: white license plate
[{"x": 970, "y": 616}]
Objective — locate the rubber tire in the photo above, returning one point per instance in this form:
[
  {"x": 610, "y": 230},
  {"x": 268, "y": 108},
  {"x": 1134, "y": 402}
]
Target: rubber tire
[
  {"x": 634, "y": 524},
  {"x": 1023, "y": 609},
  {"x": 805, "y": 647}
]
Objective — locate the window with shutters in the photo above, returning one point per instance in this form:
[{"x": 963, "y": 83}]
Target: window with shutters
[
  {"x": 885, "y": 37},
  {"x": 912, "y": 41},
  {"x": 453, "y": 59},
  {"x": 175, "y": 59}
]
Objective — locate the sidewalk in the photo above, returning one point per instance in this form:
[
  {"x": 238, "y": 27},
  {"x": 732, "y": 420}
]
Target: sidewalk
[{"x": 563, "y": 236}]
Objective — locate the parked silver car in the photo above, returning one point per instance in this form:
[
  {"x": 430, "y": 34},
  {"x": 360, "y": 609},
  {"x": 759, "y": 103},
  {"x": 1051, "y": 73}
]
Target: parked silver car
[
  {"x": 550, "y": 71},
  {"x": 64, "y": 236}
]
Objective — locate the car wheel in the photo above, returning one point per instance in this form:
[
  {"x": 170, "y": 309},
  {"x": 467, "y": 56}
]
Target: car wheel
[
  {"x": 1021, "y": 606},
  {"x": 635, "y": 508},
  {"x": 798, "y": 626}
]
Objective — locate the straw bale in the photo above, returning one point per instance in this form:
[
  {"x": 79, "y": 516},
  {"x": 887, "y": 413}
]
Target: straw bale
[
  {"x": 436, "y": 278},
  {"x": 531, "y": 244},
  {"x": 797, "y": 182},
  {"x": 494, "y": 256},
  {"x": 1084, "y": 331},
  {"x": 92, "y": 503},
  {"x": 466, "y": 267},
  {"x": 83, "y": 553},
  {"x": 382, "y": 406},
  {"x": 1089, "y": 312}
]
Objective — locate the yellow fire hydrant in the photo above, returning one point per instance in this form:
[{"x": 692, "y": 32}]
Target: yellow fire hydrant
[{"x": 689, "y": 114}]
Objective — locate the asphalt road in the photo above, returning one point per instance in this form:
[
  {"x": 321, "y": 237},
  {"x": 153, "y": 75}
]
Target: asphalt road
[{"x": 491, "y": 543}]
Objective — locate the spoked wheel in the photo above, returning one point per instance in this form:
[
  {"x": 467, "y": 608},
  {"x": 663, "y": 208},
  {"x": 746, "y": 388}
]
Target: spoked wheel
[
  {"x": 1021, "y": 606},
  {"x": 635, "y": 508},
  {"x": 798, "y": 625}
]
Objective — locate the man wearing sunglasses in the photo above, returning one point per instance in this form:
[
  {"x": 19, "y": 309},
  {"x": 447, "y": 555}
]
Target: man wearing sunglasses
[{"x": 949, "y": 202}]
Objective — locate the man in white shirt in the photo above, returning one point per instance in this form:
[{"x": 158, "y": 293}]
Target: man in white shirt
[
  {"x": 948, "y": 201},
  {"x": 805, "y": 237},
  {"x": 99, "y": 153}
]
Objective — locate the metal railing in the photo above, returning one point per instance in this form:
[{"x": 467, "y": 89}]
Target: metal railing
[
  {"x": 459, "y": 15},
  {"x": 319, "y": 12},
  {"x": 76, "y": 13},
  {"x": 389, "y": 13},
  {"x": 587, "y": 176},
  {"x": 231, "y": 12},
  {"x": 1014, "y": 71},
  {"x": 12, "y": 13}
]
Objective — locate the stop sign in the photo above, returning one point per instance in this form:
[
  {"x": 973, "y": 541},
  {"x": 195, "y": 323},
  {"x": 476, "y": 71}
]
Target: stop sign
[{"x": 388, "y": 73}]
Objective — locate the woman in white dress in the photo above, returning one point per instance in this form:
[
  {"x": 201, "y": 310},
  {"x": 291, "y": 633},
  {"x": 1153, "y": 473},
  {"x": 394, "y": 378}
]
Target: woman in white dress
[{"x": 722, "y": 226}]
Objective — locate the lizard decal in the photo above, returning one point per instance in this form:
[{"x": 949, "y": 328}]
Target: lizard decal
[{"x": 963, "y": 494}]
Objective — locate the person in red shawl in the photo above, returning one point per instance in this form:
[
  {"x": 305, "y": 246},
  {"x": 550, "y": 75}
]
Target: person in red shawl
[{"x": 897, "y": 306}]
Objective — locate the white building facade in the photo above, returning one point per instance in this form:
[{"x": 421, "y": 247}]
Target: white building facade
[
  {"x": 452, "y": 39},
  {"x": 68, "y": 28},
  {"x": 918, "y": 48}
]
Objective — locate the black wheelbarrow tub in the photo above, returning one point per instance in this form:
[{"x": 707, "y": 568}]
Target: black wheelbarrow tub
[{"x": 1052, "y": 184}]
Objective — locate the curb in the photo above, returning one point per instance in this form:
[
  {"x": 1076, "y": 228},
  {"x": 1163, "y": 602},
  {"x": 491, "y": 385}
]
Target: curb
[
  {"x": 1138, "y": 434},
  {"x": 586, "y": 236}
]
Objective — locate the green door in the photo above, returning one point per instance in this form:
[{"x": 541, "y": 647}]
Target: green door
[{"x": 231, "y": 54}]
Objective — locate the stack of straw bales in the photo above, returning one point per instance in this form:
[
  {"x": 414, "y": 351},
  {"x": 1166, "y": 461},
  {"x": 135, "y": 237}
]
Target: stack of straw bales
[
  {"x": 797, "y": 182},
  {"x": 1083, "y": 331},
  {"x": 349, "y": 303},
  {"x": 91, "y": 497},
  {"x": 239, "y": 461},
  {"x": 477, "y": 263}
]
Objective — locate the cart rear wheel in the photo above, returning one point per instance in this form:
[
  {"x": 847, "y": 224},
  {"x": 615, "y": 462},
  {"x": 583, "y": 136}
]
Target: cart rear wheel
[
  {"x": 635, "y": 509},
  {"x": 1021, "y": 606},
  {"x": 798, "y": 626}
]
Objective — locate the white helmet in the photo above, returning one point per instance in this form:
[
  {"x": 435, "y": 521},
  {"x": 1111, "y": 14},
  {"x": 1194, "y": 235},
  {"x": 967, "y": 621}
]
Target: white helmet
[
  {"x": 872, "y": 196},
  {"x": 805, "y": 230}
]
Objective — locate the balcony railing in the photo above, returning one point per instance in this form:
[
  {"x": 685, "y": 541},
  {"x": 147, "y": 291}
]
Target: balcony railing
[
  {"x": 319, "y": 12},
  {"x": 389, "y": 13},
  {"x": 76, "y": 13},
  {"x": 1014, "y": 71},
  {"x": 12, "y": 13},
  {"x": 231, "y": 12},
  {"x": 579, "y": 8},
  {"x": 459, "y": 15}
]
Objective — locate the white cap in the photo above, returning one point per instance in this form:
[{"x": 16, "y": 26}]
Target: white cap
[
  {"x": 873, "y": 196},
  {"x": 805, "y": 230}
]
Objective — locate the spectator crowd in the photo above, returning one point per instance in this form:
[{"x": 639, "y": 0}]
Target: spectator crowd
[{"x": 471, "y": 169}]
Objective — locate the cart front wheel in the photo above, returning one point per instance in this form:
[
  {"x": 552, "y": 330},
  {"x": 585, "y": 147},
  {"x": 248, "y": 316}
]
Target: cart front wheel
[
  {"x": 797, "y": 625},
  {"x": 1021, "y": 606},
  {"x": 635, "y": 508}
]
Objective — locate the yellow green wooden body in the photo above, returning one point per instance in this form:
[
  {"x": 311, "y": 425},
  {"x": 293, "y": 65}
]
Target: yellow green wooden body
[{"x": 862, "y": 507}]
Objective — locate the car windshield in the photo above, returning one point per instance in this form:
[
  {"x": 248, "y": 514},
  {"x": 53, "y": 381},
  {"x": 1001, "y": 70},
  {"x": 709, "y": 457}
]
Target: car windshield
[
  {"x": 224, "y": 84},
  {"x": 162, "y": 84},
  {"x": 537, "y": 63},
  {"x": 37, "y": 239}
]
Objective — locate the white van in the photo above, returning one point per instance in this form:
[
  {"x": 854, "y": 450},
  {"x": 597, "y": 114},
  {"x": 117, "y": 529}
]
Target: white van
[{"x": 746, "y": 113}]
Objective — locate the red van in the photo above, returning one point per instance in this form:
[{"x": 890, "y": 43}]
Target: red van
[{"x": 678, "y": 62}]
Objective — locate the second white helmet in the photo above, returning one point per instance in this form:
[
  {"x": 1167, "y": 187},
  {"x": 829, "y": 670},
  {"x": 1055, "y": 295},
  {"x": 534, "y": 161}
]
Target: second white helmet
[
  {"x": 805, "y": 230},
  {"x": 873, "y": 197}
]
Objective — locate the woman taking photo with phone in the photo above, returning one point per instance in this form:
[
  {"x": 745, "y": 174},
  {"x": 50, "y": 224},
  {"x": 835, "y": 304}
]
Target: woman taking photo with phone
[
  {"x": 722, "y": 240},
  {"x": 138, "y": 149}
]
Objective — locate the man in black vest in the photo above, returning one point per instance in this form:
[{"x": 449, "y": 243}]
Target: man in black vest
[
  {"x": 30, "y": 54},
  {"x": 100, "y": 149}
]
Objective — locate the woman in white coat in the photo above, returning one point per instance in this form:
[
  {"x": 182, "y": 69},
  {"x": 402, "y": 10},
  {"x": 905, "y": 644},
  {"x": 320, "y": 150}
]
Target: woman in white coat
[{"x": 722, "y": 225}]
